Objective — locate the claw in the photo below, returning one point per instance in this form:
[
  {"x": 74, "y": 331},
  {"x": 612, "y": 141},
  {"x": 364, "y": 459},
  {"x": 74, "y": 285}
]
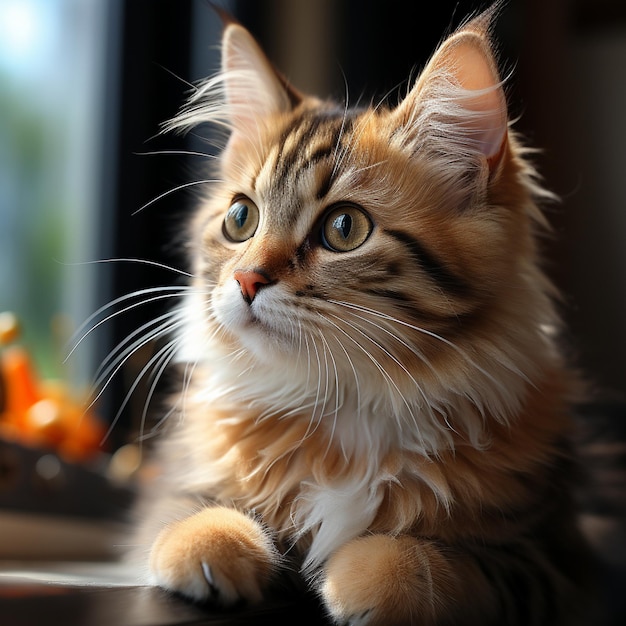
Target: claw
[{"x": 208, "y": 576}]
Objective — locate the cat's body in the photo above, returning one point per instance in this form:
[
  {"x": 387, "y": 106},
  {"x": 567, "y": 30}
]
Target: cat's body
[{"x": 373, "y": 390}]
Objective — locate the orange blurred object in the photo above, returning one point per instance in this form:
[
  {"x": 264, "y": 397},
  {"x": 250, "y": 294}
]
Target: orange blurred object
[
  {"x": 42, "y": 413},
  {"x": 20, "y": 388}
]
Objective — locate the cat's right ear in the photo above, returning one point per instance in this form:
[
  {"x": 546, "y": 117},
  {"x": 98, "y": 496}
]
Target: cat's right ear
[
  {"x": 457, "y": 107},
  {"x": 254, "y": 90}
]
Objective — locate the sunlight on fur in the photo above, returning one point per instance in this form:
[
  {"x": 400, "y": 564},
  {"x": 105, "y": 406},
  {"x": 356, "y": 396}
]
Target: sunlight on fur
[{"x": 373, "y": 399}]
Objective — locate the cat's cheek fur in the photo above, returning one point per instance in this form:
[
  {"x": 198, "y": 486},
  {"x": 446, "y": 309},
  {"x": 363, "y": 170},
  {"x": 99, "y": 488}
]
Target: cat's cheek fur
[
  {"x": 192, "y": 325},
  {"x": 217, "y": 555}
]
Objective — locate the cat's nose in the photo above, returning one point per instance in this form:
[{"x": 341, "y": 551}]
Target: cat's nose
[{"x": 250, "y": 282}]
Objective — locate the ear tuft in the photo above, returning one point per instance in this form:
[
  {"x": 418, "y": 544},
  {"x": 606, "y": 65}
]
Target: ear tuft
[
  {"x": 247, "y": 90},
  {"x": 253, "y": 89},
  {"x": 470, "y": 63},
  {"x": 458, "y": 104}
]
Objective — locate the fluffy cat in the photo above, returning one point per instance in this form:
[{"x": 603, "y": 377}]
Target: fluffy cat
[{"x": 373, "y": 388}]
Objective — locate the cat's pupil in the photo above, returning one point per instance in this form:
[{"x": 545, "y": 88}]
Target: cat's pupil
[{"x": 343, "y": 224}]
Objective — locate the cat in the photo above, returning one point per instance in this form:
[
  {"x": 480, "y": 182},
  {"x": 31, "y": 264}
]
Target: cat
[{"x": 373, "y": 393}]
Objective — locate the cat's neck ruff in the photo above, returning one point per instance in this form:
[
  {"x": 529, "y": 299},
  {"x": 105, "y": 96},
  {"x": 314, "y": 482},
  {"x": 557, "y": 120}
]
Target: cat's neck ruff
[{"x": 364, "y": 420}]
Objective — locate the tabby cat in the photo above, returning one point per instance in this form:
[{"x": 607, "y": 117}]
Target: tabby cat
[{"x": 373, "y": 388}]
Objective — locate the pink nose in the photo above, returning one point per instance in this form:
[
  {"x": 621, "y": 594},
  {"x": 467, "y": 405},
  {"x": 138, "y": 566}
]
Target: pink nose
[{"x": 250, "y": 282}]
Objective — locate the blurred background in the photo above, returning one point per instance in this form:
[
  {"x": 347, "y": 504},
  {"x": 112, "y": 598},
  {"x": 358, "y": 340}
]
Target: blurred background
[{"x": 85, "y": 85}]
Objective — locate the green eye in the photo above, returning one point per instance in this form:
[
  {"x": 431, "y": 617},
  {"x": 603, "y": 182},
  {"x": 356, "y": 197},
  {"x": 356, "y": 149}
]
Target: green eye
[
  {"x": 345, "y": 228},
  {"x": 241, "y": 221}
]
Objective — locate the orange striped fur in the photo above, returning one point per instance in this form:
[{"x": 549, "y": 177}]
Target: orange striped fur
[{"x": 373, "y": 384}]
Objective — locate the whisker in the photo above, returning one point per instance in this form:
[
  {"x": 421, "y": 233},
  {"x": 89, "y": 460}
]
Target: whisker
[
  {"x": 117, "y": 357},
  {"x": 128, "y": 260},
  {"x": 154, "y": 430},
  {"x": 174, "y": 190},
  {"x": 205, "y": 155},
  {"x": 172, "y": 292},
  {"x": 119, "y": 362},
  {"x": 134, "y": 386},
  {"x": 367, "y": 353},
  {"x": 354, "y": 372},
  {"x": 310, "y": 429},
  {"x": 166, "y": 359},
  {"x": 177, "y": 77},
  {"x": 359, "y": 130},
  {"x": 187, "y": 379},
  {"x": 337, "y": 403},
  {"x": 334, "y": 364},
  {"x": 386, "y": 374},
  {"x": 119, "y": 349},
  {"x": 336, "y": 162},
  {"x": 432, "y": 334},
  {"x": 413, "y": 349},
  {"x": 360, "y": 330}
]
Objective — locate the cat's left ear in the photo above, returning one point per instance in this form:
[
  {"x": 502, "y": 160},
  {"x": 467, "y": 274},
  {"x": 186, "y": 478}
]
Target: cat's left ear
[
  {"x": 458, "y": 105},
  {"x": 254, "y": 89}
]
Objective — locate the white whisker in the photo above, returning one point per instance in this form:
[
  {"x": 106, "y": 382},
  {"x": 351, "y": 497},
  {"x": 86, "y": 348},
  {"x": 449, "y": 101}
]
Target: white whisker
[
  {"x": 171, "y": 292},
  {"x": 162, "y": 326},
  {"x": 130, "y": 260},
  {"x": 337, "y": 387},
  {"x": 396, "y": 337},
  {"x": 314, "y": 420},
  {"x": 166, "y": 358},
  {"x": 134, "y": 386},
  {"x": 376, "y": 343},
  {"x": 120, "y": 352},
  {"x": 205, "y": 155},
  {"x": 173, "y": 190},
  {"x": 371, "y": 357},
  {"x": 115, "y": 367},
  {"x": 429, "y": 333}
]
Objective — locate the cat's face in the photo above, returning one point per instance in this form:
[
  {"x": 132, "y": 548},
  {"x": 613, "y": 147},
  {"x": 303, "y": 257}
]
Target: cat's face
[
  {"x": 329, "y": 228},
  {"x": 383, "y": 243}
]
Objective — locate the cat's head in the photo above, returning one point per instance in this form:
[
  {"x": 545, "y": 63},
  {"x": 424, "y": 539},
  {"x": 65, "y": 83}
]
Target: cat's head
[{"x": 388, "y": 247}]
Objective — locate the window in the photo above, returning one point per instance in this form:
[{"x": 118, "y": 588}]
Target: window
[{"x": 52, "y": 64}]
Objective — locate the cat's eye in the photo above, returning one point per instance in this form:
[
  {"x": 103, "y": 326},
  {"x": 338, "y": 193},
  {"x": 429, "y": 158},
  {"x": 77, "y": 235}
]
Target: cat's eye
[
  {"x": 241, "y": 221},
  {"x": 345, "y": 228}
]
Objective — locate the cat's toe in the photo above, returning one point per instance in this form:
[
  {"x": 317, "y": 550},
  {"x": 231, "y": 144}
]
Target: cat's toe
[{"x": 217, "y": 555}]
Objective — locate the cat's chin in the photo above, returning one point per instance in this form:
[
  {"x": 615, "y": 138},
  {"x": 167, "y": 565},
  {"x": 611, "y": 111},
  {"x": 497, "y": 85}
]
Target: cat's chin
[
  {"x": 257, "y": 338},
  {"x": 262, "y": 345}
]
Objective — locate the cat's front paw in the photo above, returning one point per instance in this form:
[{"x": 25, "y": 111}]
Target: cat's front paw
[
  {"x": 218, "y": 555},
  {"x": 384, "y": 581}
]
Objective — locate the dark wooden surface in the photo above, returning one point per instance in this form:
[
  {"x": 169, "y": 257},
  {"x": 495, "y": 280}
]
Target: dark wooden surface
[{"x": 30, "y": 596}]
